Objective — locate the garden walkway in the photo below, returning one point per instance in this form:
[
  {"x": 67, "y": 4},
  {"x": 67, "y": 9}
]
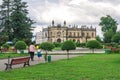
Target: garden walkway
[{"x": 53, "y": 58}]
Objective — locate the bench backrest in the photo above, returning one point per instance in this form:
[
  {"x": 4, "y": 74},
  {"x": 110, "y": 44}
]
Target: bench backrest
[{"x": 20, "y": 60}]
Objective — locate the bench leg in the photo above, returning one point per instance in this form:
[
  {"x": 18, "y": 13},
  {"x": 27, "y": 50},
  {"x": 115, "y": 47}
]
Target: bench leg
[
  {"x": 26, "y": 63},
  {"x": 8, "y": 66}
]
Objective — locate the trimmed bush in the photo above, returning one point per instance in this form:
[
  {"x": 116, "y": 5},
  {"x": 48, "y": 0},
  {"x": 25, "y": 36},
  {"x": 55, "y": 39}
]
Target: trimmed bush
[
  {"x": 68, "y": 45},
  {"x": 92, "y": 44},
  {"x": 20, "y": 45},
  {"x": 46, "y": 46}
]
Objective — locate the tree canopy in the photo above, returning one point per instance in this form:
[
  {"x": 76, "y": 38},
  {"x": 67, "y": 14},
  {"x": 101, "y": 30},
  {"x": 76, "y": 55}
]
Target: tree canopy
[
  {"x": 109, "y": 27},
  {"x": 46, "y": 46},
  {"x": 92, "y": 44},
  {"x": 20, "y": 45},
  {"x": 108, "y": 23},
  {"x": 15, "y": 21},
  {"x": 68, "y": 45},
  {"x": 108, "y": 36},
  {"x": 116, "y": 38}
]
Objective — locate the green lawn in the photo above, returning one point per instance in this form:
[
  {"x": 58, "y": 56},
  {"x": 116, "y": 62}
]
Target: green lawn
[
  {"x": 5, "y": 55},
  {"x": 57, "y": 48},
  {"x": 89, "y": 67}
]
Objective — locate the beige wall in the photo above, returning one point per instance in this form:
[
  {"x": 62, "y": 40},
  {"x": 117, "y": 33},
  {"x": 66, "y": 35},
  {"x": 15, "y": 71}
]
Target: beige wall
[{"x": 55, "y": 33}]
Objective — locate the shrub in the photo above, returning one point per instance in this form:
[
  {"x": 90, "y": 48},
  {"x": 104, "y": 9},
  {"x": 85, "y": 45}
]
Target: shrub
[
  {"x": 46, "y": 46},
  {"x": 68, "y": 45},
  {"x": 92, "y": 44},
  {"x": 5, "y": 46},
  {"x": 78, "y": 44},
  {"x": 112, "y": 44},
  {"x": 20, "y": 45},
  {"x": 83, "y": 44},
  {"x": 57, "y": 44}
]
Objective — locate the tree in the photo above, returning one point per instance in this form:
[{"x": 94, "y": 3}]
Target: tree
[
  {"x": 108, "y": 23},
  {"x": 3, "y": 39},
  {"x": 15, "y": 21},
  {"x": 46, "y": 46},
  {"x": 92, "y": 44},
  {"x": 108, "y": 36},
  {"x": 116, "y": 38},
  {"x": 21, "y": 24},
  {"x": 20, "y": 45},
  {"x": 98, "y": 39},
  {"x": 5, "y": 22},
  {"x": 68, "y": 45},
  {"x": 6, "y": 46}
]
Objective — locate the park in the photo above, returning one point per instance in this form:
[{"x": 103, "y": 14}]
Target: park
[{"x": 59, "y": 51}]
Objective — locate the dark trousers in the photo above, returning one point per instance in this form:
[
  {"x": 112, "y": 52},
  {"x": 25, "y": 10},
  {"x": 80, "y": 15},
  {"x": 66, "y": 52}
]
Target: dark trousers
[{"x": 31, "y": 55}]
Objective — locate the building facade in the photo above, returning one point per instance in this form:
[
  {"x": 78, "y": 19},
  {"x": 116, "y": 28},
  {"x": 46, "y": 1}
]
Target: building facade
[
  {"x": 58, "y": 33},
  {"x": 39, "y": 37}
]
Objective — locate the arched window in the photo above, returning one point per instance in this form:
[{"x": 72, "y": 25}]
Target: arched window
[
  {"x": 78, "y": 41},
  {"x": 73, "y": 40},
  {"x": 59, "y": 40},
  {"x": 87, "y": 34},
  {"x": 70, "y": 34},
  {"x": 83, "y": 34},
  {"x": 74, "y": 34},
  {"x": 78, "y": 34}
]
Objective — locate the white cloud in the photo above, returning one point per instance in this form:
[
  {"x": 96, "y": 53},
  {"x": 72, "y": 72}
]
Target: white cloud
[{"x": 81, "y": 12}]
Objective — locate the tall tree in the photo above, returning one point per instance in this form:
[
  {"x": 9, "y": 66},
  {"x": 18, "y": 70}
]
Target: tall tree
[
  {"x": 109, "y": 27},
  {"x": 108, "y": 36},
  {"x": 14, "y": 21},
  {"x": 5, "y": 22},
  {"x": 116, "y": 38},
  {"x": 108, "y": 23},
  {"x": 98, "y": 38},
  {"x": 21, "y": 23}
]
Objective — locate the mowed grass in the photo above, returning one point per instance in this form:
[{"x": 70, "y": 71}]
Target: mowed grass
[
  {"x": 5, "y": 55},
  {"x": 88, "y": 67}
]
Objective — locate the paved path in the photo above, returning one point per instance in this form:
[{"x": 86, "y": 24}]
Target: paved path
[{"x": 53, "y": 58}]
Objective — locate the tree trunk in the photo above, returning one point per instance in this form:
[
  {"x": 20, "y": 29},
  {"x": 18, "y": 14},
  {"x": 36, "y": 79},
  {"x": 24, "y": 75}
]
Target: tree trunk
[
  {"x": 93, "y": 50},
  {"x": 46, "y": 56},
  {"x": 68, "y": 54}
]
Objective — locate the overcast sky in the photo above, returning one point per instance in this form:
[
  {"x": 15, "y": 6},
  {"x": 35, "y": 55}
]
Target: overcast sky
[{"x": 79, "y": 12}]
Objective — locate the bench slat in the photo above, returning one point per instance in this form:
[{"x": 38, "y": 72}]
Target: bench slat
[{"x": 19, "y": 60}]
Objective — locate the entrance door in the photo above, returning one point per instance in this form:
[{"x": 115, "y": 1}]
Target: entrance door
[{"x": 59, "y": 40}]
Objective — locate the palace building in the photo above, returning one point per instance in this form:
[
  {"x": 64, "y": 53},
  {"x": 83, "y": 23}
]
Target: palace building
[{"x": 61, "y": 33}]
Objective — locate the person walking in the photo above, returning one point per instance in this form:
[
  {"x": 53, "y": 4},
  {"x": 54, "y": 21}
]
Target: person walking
[{"x": 32, "y": 51}]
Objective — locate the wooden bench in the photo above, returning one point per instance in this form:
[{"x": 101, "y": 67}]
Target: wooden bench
[{"x": 15, "y": 61}]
